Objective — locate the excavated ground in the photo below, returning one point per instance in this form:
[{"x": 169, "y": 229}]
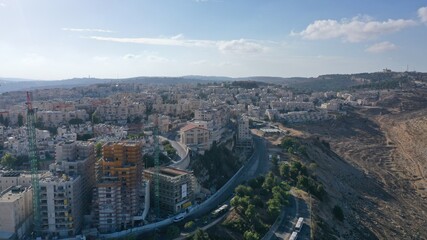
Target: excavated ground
[{"x": 379, "y": 171}]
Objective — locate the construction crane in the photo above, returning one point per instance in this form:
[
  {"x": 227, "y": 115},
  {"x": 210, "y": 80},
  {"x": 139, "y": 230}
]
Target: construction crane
[
  {"x": 32, "y": 155},
  {"x": 156, "y": 168}
]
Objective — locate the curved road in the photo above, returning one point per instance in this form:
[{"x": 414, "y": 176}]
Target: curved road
[{"x": 256, "y": 165}]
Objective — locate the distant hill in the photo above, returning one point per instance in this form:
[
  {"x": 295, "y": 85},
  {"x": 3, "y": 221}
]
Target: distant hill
[{"x": 320, "y": 83}]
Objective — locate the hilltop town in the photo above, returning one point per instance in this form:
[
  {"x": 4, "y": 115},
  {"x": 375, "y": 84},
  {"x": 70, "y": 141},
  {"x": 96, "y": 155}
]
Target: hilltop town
[{"x": 128, "y": 158}]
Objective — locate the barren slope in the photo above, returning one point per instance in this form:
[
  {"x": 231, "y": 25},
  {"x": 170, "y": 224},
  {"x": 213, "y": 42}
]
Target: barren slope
[{"x": 381, "y": 179}]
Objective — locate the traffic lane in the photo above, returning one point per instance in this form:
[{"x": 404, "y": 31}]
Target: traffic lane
[
  {"x": 297, "y": 208},
  {"x": 230, "y": 189}
]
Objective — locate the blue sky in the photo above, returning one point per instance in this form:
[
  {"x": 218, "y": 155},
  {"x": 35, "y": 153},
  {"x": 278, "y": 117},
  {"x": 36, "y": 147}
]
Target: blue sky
[{"x": 60, "y": 39}]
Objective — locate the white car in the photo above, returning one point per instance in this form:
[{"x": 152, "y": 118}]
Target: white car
[{"x": 179, "y": 217}]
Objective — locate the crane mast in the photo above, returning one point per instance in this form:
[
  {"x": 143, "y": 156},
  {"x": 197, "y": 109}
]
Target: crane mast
[
  {"x": 156, "y": 169},
  {"x": 32, "y": 155}
]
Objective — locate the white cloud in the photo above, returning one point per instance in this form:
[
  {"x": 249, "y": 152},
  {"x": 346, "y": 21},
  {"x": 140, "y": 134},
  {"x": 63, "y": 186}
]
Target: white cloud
[
  {"x": 179, "y": 36},
  {"x": 87, "y": 30},
  {"x": 355, "y": 30},
  {"x": 131, "y": 56},
  {"x": 422, "y": 14},
  {"x": 381, "y": 47},
  {"x": 240, "y": 46},
  {"x": 2, "y": 4}
]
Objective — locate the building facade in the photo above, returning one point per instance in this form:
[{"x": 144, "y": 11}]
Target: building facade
[
  {"x": 60, "y": 205},
  {"x": 119, "y": 185},
  {"x": 176, "y": 188},
  {"x": 16, "y": 212}
]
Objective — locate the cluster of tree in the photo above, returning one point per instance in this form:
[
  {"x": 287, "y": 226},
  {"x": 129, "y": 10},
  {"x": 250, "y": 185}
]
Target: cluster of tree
[
  {"x": 293, "y": 146},
  {"x": 245, "y": 84},
  {"x": 338, "y": 213},
  {"x": 264, "y": 194},
  {"x": 8, "y": 160},
  {"x": 149, "y": 160},
  {"x": 75, "y": 121},
  {"x": 173, "y": 232},
  {"x": 134, "y": 120},
  {"x": 84, "y": 137},
  {"x": 218, "y": 163},
  {"x": 4, "y": 121},
  {"x": 279, "y": 191},
  {"x": 40, "y": 125},
  {"x": 135, "y": 136},
  {"x": 297, "y": 175},
  {"x": 169, "y": 149}
]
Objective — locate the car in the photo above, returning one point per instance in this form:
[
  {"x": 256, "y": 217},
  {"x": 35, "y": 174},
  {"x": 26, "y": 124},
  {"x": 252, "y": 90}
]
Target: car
[{"x": 179, "y": 217}]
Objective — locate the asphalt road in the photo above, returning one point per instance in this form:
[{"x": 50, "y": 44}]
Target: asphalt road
[
  {"x": 256, "y": 166},
  {"x": 297, "y": 208}
]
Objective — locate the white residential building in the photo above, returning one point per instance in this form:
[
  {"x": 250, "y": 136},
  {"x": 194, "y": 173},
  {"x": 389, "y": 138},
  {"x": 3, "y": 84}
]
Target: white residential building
[{"x": 16, "y": 212}]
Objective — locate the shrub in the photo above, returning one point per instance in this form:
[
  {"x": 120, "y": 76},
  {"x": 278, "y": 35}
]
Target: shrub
[{"x": 338, "y": 213}]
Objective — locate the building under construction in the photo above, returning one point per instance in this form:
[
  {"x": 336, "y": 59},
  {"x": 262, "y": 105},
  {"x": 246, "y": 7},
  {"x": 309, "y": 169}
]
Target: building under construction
[
  {"x": 176, "y": 188},
  {"x": 118, "y": 195}
]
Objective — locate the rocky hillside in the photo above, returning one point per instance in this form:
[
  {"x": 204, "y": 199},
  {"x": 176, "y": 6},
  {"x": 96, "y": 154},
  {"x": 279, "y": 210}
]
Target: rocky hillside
[{"x": 375, "y": 168}]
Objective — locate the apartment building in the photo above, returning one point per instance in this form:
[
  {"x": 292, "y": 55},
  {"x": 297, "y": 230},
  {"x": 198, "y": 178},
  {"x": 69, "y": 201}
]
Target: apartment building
[
  {"x": 120, "y": 111},
  {"x": 292, "y": 106},
  {"x": 16, "y": 212},
  {"x": 56, "y": 118},
  {"x": 60, "y": 205},
  {"x": 195, "y": 137},
  {"x": 77, "y": 158},
  {"x": 176, "y": 188},
  {"x": 12, "y": 178},
  {"x": 305, "y": 116},
  {"x": 244, "y": 137},
  {"x": 118, "y": 198}
]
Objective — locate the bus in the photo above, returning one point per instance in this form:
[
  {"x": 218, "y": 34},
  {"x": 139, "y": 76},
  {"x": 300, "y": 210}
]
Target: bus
[
  {"x": 293, "y": 236},
  {"x": 220, "y": 211},
  {"x": 299, "y": 224}
]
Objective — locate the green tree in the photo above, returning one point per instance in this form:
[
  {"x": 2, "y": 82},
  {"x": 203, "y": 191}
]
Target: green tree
[
  {"x": 201, "y": 235},
  {"x": 249, "y": 235},
  {"x": 172, "y": 231},
  {"x": 189, "y": 225},
  {"x": 6, "y": 122},
  {"x": 98, "y": 149},
  {"x": 284, "y": 170},
  {"x": 268, "y": 182},
  {"x": 303, "y": 182},
  {"x": 250, "y": 212},
  {"x": 95, "y": 119},
  {"x": 20, "y": 120},
  {"x": 242, "y": 191},
  {"x": 8, "y": 160},
  {"x": 240, "y": 203},
  {"x": 338, "y": 213},
  {"x": 273, "y": 207},
  {"x": 75, "y": 121}
]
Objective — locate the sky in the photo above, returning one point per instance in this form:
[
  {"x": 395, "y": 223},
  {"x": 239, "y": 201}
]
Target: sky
[{"x": 58, "y": 39}]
